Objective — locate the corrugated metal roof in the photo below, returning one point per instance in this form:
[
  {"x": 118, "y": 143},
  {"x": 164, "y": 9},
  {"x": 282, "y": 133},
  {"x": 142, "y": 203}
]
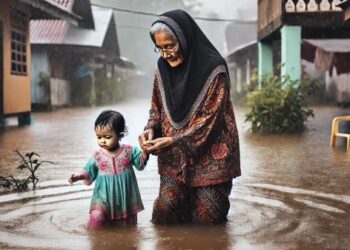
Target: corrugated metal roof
[
  {"x": 60, "y": 32},
  {"x": 54, "y": 8},
  {"x": 66, "y": 4}
]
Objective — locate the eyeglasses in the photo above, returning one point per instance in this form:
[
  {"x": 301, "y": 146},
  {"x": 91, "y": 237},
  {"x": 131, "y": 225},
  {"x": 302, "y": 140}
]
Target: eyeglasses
[{"x": 166, "y": 50}]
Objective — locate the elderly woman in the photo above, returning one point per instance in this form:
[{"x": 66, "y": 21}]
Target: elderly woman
[{"x": 191, "y": 127}]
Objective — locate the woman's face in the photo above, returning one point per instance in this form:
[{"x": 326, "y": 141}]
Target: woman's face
[{"x": 169, "y": 48}]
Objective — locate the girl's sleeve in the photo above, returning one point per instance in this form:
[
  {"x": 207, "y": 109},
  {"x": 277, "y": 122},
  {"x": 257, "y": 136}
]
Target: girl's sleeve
[
  {"x": 90, "y": 171},
  {"x": 137, "y": 158},
  {"x": 155, "y": 111},
  {"x": 195, "y": 139}
]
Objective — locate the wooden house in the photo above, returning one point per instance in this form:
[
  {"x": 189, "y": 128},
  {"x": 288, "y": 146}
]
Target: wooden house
[
  {"x": 66, "y": 58},
  {"x": 283, "y": 24},
  {"x": 15, "y": 53}
]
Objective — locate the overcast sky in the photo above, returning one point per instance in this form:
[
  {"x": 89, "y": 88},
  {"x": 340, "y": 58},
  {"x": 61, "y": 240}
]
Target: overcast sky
[
  {"x": 133, "y": 29},
  {"x": 242, "y": 9}
]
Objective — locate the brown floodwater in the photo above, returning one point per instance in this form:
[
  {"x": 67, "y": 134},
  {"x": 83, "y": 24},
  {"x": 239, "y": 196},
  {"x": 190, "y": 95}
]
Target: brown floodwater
[{"x": 294, "y": 192}]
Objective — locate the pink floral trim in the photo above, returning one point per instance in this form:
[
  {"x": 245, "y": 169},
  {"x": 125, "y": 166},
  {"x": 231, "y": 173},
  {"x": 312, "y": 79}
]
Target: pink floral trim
[
  {"x": 127, "y": 214},
  {"x": 97, "y": 219},
  {"x": 120, "y": 215},
  {"x": 86, "y": 176},
  {"x": 98, "y": 207},
  {"x": 103, "y": 165},
  {"x": 116, "y": 164},
  {"x": 125, "y": 162}
]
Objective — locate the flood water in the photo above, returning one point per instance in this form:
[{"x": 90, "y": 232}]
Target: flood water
[{"x": 294, "y": 192}]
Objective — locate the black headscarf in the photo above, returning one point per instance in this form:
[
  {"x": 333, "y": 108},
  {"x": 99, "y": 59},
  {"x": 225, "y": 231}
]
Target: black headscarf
[{"x": 183, "y": 84}]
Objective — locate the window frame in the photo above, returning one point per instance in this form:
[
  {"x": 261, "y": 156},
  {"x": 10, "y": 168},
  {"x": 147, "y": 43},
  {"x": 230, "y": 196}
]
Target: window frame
[{"x": 19, "y": 55}]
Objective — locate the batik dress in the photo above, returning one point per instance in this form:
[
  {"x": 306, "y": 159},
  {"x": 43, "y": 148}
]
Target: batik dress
[
  {"x": 196, "y": 171},
  {"x": 116, "y": 191}
]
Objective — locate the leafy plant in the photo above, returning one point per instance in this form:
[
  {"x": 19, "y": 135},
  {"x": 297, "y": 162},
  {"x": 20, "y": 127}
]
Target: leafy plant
[
  {"x": 30, "y": 162},
  {"x": 11, "y": 182},
  {"x": 43, "y": 79},
  {"x": 278, "y": 106}
]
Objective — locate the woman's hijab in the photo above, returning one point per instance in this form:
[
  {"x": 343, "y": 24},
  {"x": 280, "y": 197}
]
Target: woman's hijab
[{"x": 183, "y": 85}]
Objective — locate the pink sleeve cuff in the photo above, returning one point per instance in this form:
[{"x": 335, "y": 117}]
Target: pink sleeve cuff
[{"x": 86, "y": 177}]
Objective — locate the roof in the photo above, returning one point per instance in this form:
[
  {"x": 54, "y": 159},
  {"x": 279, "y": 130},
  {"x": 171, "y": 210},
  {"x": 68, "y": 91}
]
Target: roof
[
  {"x": 331, "y": 45},
  {"x": 61, "y": 33},
  {"x": 66, "y": 4},
  {"x": 344, "y": 4},
  {"x": 241, "y": 47},
  {"x": 54, "y": 8}
]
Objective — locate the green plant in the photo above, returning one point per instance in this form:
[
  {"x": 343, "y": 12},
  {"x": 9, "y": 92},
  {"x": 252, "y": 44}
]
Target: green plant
[
  {"x": 278, "y": 106},
  {"x": 30, "y": 162},
  {"x": 10, "y": 182},
  {"x": 43, "y": 79}
]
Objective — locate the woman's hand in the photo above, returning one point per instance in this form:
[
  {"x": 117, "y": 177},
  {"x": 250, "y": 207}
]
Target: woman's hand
[
  {"x": 159, "y": 143},
  {"x": 145, "y": 137}
]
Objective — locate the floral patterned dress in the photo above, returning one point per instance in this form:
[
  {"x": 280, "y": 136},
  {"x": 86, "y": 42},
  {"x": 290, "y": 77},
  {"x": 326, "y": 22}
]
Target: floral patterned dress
[
  {"x": 116, "y": 191},
  {"x": 196, "y": 171},
  {"x": 206, "y": 148}
]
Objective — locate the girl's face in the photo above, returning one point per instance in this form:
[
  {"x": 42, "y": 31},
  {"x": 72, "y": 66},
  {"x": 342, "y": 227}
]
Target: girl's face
[
  {"x": 107, "y": 138},
  {"x": 169, "y": 48}
]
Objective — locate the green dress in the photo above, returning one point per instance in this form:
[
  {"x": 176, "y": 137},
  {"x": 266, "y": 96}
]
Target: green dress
[{"x": 116, "y": 192}]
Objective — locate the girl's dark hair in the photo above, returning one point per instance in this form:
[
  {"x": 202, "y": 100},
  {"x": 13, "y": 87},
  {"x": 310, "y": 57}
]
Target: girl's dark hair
[{"x": 113, "y": 119}]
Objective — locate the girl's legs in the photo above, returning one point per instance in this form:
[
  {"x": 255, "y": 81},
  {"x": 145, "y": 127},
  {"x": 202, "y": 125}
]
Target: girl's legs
[
  {"x": 97, "y": 219},
  {"x": 130, "y": 220},
  {"x": 210, "y": 204},
  {"x": 172, "y": 204}
]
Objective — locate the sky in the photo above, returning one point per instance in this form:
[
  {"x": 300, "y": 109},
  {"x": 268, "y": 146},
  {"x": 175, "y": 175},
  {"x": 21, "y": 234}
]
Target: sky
[
  {"x": 246, "y": 10},
  {"x": 133, "y": 30}
]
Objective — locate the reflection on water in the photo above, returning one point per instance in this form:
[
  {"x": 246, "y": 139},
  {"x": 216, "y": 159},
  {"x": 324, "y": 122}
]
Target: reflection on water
[{"x": 294, "y": 192}]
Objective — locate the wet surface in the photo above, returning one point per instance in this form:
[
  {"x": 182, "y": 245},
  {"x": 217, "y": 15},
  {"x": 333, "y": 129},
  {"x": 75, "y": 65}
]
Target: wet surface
[{"x": 293, "y": 194}]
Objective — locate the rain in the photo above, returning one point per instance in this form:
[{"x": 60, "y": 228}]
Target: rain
[{"x": 96, "y": 55}]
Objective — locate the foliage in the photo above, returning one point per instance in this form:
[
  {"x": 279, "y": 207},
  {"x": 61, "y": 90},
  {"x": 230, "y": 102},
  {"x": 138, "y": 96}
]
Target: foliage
[
  {"x": 43, "y": 79},
  {"x": 278, "y": 106},
  {"x": 30, "y": 162},
  {"x": 11, "y": 182},
  {"x": 110, "y": 89}
]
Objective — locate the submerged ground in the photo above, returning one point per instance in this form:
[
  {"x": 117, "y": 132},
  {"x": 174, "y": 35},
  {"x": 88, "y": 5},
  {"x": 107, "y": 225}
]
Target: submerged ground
[{"x": 294, "y": 192}]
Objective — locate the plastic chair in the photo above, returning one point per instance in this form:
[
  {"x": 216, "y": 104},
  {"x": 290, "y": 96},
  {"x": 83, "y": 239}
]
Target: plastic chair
[{"x": 335, "y": 131}]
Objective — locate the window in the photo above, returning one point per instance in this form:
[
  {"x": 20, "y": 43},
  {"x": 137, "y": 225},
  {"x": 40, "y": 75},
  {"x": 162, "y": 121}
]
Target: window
[
  {"x": 18, "y": 52},
  {"x": 19, "y": 23}
]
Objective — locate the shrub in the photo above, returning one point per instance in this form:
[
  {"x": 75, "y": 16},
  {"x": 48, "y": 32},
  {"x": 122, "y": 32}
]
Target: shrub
[{"x": 278, "y": 106}]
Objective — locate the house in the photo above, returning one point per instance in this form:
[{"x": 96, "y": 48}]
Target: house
[
  {"x": 290, "y": 23},
  {"x": 307, "y": 43},
  {"x": 241, "y": 62},
  {"x": 15, "y": 53},
  {"x": 73, "y": 65},
  {"x": 242, "y": 56}
]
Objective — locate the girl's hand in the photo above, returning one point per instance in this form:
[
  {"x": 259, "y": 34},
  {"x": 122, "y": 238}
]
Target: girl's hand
[
  {"x": 159, "y": 143},
  {"x": 73, "y": 178},
  {"x": 145, "y": 137}
]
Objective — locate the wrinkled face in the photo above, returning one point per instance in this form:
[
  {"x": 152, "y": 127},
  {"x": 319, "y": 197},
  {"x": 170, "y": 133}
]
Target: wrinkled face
[
  {"x": 169, "y": 48},
  {"x": 107, "y": 138}
]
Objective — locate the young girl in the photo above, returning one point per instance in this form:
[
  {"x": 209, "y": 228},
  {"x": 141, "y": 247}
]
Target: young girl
[{"x": 116, "y": 197}]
